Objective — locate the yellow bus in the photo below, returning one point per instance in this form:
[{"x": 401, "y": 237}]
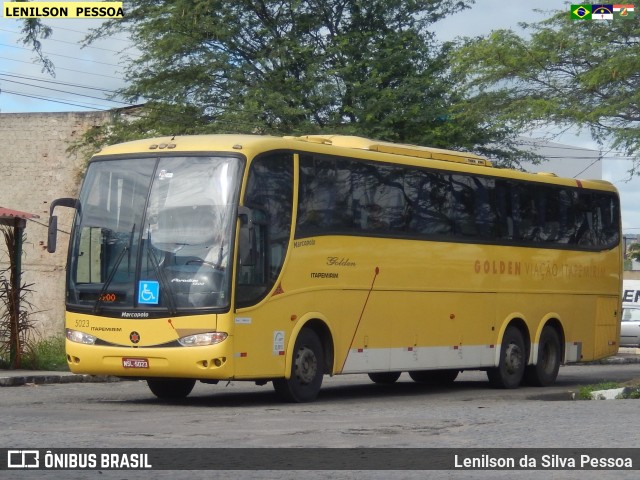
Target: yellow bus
[{"x": 268, "y": 259}]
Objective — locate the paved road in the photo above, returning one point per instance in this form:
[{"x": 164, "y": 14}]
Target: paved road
[{"x": 350, "y": 412}]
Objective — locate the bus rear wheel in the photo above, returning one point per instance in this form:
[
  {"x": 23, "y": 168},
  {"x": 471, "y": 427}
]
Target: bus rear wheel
[
  {"x": 384, "y": 378},
  {"x": 513, "y": 359},
  {"x": 171, "y": 389},
  {"x": 434, "y": 377},
  {"x": 307, "y": 370},
  {"x": 545, "y": 371}
]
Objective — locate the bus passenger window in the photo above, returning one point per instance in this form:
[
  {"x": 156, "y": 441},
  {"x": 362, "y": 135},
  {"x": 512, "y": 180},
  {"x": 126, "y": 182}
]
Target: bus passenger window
[
  {"x": 318, "y": 205},
  {"x": 430, "y": 200}
]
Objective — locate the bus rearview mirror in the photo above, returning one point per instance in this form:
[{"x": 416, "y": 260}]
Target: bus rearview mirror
[{"x": 52, "y": 236}]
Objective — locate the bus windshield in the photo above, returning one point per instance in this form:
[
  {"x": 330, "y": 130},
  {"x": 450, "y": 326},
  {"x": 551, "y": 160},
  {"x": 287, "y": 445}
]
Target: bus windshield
[{"x": 154, "y": 234}]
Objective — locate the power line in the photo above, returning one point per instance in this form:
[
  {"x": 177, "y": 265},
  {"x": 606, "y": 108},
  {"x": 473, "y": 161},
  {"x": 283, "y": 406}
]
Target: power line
[
  {"x": 556, "y": 146},
  {"x": 47, "y": 99},
  {"x": 50, "y": 54},
  {"x": 84, "y": 33},
  {"x": 64, "y": 41},
  {"x": 67, "y": 92},
  {"x": 66, "y": 69},
  {"x": 587, "y": 167},
  {"x": 55, "y": 82}
]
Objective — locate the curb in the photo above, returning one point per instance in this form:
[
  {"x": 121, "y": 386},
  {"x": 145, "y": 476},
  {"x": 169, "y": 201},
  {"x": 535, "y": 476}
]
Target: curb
[
  {"x": 52, "y": 378},
  {"x": 616, "y": 360}
]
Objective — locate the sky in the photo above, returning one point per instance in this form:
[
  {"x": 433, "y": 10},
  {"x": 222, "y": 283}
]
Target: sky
[{"x": 86, "y": 77}]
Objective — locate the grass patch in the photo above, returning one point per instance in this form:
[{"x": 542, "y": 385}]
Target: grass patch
[
  {"x": 48, "y": 354},
  {"x": 585, "y": 392},
  {"x": 632, "y": 392}
]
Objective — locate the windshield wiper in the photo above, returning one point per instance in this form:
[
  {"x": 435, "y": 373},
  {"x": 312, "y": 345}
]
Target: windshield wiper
[
  {"x": 164, "y": 286},
  {"x": 112, "y": 274}
]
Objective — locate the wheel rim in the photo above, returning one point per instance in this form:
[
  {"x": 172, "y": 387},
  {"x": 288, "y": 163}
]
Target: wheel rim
[
  {"x": 513, "y": 358},
  {"x": 306, "y": 365}
]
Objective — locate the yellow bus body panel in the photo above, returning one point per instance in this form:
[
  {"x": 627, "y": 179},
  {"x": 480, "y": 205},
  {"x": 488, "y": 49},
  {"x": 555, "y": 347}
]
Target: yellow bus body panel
[{"x": 388, "y": 303}]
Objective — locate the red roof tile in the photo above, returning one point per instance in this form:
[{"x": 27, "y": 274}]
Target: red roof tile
[{"x": 6, "y": 213}]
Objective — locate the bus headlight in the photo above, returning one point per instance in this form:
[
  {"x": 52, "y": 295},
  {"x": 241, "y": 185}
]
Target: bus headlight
[
  {"x": 201, "y": 339},
  {"x": 80, "y": 337}
]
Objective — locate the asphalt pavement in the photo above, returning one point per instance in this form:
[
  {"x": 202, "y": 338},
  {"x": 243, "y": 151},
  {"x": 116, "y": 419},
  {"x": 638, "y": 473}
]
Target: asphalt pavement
[{"x": 15, "y": 378}]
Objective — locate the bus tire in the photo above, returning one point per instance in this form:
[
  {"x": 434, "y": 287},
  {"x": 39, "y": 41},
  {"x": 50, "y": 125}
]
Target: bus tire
[
  {"x": 434, "y": 377},
  {"x": 171, "y": 389},
  {"x": 545, "y": 371},
  {"x": 307, "y": 370},
  {"x": 384, "y": 378},
  {"x": 513, "y": 359}
]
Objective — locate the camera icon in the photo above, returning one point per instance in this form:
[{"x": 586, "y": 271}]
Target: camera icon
[{"x": 23, "y": 459}]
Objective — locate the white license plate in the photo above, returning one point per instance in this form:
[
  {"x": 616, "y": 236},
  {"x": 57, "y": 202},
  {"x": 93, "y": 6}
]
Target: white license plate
[{"x": 135, "y": 363}]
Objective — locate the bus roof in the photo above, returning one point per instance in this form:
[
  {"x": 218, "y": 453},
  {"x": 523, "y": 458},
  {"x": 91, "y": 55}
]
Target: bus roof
[
  {"x": 347, "y": 141},
  {"x": 239, "y": 142},
  {"x": 254, "y": 144}
]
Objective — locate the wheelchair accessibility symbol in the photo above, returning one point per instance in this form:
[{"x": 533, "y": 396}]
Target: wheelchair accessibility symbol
[{"x": 148, "y": 292}]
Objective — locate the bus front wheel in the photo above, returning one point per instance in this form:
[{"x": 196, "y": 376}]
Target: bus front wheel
[
  {"x": 545, "y": 371},
  {"x": 513, "y": 359},
  {"x": 307, "y": 370},
  {"x": 171, "y": 389}
]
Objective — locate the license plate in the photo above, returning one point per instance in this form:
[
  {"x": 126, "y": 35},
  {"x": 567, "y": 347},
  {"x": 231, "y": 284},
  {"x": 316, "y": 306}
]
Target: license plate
[{"x": 135, "y": 363}]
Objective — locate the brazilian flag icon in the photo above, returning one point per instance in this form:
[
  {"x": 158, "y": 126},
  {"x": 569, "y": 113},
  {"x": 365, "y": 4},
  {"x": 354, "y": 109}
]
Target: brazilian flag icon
[{"x": 581, "y": 12}]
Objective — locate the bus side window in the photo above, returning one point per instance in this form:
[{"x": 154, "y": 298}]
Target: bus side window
[
  {"x": 464, "y": 221},
  {"x": 608, "y": 219},
  {"x": 429, "y": 194},
  {"x": 379, "y": 194},
  {"x": 317, "y": 208},
  {"x": 269, "y": 193},
  {"x": 503, "y": 211}
]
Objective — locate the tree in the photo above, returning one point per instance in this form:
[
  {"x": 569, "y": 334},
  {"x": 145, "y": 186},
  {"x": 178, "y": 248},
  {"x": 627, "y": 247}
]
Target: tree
[
  {"x": 365, "y": 67},
  {"x": 33, "y": 31},
  {"x": 633, "y": 252},
  {"x": 291, "y": 66},
  {"x": 583, "y": 74},
  {"x": 16, "y": 325}
]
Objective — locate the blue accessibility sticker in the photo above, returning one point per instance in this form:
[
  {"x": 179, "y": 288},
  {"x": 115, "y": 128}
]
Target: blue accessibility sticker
[{"x": 148, "y": 292}]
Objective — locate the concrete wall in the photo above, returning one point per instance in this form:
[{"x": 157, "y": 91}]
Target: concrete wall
[{"x": 37, "y": 169}]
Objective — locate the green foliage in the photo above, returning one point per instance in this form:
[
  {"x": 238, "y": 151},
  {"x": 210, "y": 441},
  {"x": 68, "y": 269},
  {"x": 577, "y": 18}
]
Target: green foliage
[
  {"x": 581, "y": 74},
  {"x": 16, "y": 324},
  {"x": 631, "y": 391},
  {"x": 371, "y": 68},
  {"x": 47, "y": 354},
  {"x": 633, "y": 251},
  {"x": 286, "y": 67},
  {"x": 33, "y": 31},
  {"x": 585, "y": 392}
]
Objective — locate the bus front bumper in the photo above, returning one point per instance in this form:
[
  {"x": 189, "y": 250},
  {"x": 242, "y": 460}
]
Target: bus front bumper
[{"x": 202, "y": 362}]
